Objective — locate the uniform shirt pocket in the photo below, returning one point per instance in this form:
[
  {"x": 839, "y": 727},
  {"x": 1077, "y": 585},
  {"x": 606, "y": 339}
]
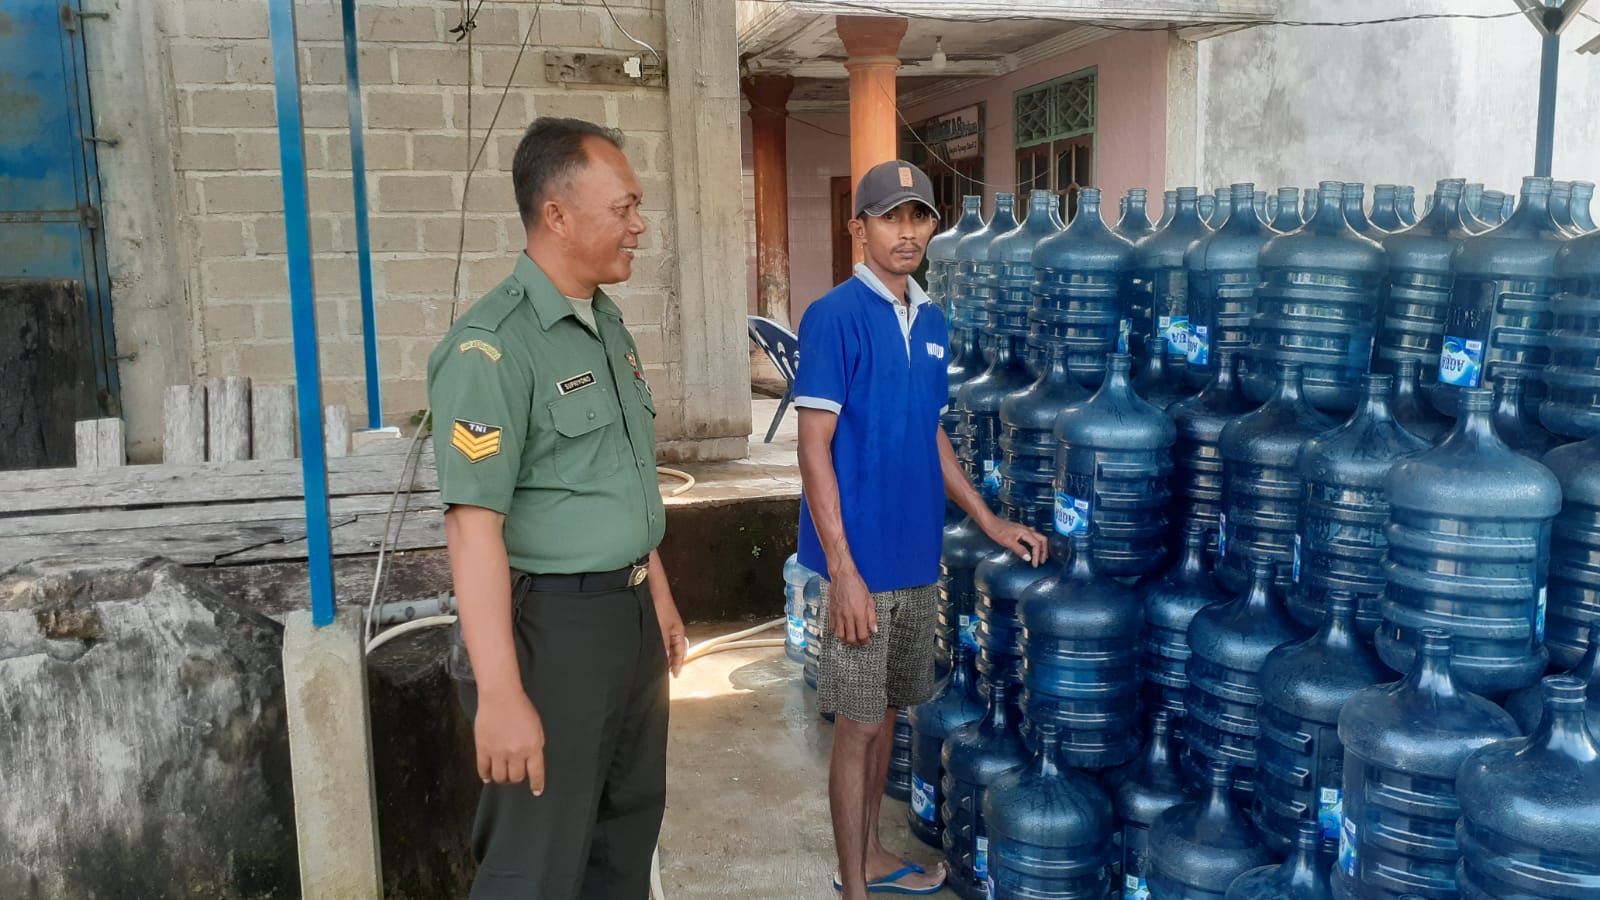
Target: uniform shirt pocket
[{"x": 585, "y": 448}]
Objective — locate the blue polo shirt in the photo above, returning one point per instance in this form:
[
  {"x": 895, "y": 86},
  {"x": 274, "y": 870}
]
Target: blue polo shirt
[{"x": 881, "y": 368}]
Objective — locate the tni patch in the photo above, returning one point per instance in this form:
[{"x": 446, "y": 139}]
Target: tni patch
[
  {"x": 475, "y": 440},
  {"x": 487, "y": 349}
]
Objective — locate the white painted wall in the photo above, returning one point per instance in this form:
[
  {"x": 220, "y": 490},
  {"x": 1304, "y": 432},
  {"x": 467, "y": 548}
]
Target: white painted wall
[{"x": 1405, "y": 103}]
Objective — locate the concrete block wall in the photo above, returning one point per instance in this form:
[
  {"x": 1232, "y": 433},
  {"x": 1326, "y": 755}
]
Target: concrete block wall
[{"x": 420, "y": 86}]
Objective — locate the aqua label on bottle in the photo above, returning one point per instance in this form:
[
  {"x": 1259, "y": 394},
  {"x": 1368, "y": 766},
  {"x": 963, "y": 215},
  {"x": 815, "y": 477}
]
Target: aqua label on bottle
[
  {"x": 1199, "y": 349},
  {"x": 969, "y": 631},
  {"x": 1135, "y": 888},
  {"x": 1296, "y": 574},
  {"x": 991, "y": 478},
  {"x": 980, "y": 859},
  {"x": 922, "y": 799},
  {"x": 1071, "y": 515},
  {"x": 1124, "y": 332},
  {"x": 1347, "y": 847},
  {"x": 1461, "y": 362},
  {"x": 796, "y": 632},
  {"x": 1176, "y": 331},
  {"x": 1538, "y": 617},
  {"x": 1330, "y": 812},
  {"x": 1222, "y": 535}
]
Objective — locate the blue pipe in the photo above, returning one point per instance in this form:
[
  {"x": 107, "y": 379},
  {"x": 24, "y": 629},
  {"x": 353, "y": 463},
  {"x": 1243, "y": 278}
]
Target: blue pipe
[
  {"x": 1544, "y": 142},
  {"x": 302, "y": 308},
  {"x": 358, "y": 177}
]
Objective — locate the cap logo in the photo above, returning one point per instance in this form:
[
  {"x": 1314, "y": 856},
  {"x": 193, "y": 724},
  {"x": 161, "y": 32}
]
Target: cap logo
[{"x": 905, "y": 176}]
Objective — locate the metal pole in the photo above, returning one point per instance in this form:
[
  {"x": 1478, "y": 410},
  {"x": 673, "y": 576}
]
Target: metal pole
[
  {"x": 1544, "y": 143},
  {"x": 358, "y": 177},
  {"x": 302, "y": 308}
]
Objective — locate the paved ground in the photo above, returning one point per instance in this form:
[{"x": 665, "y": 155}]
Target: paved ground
[
  {"x": 771, "y": 470},
  {"x": 747, "y": 805}
]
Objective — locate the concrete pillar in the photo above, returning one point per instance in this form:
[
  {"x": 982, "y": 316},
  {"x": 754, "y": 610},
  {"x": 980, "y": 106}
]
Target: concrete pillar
[
  {"x": 873, "y": 43},
  {"x": 769, "y": 130},
  {"x": 709, "y": 226},
  {"x": 1183, "y": 102},
  {"x": 330, "y": 749}
]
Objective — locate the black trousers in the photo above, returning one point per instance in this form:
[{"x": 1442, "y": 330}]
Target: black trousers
[{"x": 594, "y": 666}]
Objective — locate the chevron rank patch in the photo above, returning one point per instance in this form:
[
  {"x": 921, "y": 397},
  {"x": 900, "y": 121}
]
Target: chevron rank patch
[{"x": 475, "y": 440}]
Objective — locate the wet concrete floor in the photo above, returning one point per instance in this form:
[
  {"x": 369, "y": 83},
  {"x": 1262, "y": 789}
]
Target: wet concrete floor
[{"x": 747, "y": 775}]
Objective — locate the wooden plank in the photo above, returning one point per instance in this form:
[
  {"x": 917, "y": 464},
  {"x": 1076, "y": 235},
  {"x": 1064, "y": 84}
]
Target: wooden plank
[
  {"x": 44, "y": 490},
  {"x": 423, "y": 529},
  {"x": 227, "y": 418},
  {"x": 109, "y": 520},
  {"x": 336, "y": 431},
  {"x": 183, "y": 424},
  {"x": 86, "y": 444},
  {"x": 113, "y": 449},
  {"x": 188, "y": 544},
  {"x": 100, "y": 444},
  {"x": 272, "y": 422}
]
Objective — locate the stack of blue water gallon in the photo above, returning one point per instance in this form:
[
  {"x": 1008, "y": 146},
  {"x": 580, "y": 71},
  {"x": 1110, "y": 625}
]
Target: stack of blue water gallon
[{"x": 1322, "y": 617}]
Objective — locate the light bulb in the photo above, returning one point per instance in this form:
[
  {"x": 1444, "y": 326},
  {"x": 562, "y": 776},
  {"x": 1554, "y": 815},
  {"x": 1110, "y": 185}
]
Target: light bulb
[{"x": 939, "y": 58}]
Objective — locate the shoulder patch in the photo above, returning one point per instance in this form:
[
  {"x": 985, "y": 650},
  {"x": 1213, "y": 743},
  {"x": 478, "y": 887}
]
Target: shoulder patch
[
  {"x": 482, "y": 346},
  {"x": 475, "y": 440}
]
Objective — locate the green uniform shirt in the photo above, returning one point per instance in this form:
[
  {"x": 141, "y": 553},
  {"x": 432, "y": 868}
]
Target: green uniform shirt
[{"x": 539, "y": 418}]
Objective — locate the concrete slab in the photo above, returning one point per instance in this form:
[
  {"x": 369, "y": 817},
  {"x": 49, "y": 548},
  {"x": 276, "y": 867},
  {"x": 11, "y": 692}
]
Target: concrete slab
[
  {"x": 771, "y": 470},
  {"x": 747, "y": 802}
]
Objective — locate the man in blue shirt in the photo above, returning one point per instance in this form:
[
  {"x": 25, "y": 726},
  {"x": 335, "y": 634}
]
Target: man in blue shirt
[{"x": 876, "y": 467}]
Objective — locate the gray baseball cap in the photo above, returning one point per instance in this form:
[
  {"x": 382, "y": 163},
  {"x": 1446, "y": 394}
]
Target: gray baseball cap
[{"x": 889, "y": 184}]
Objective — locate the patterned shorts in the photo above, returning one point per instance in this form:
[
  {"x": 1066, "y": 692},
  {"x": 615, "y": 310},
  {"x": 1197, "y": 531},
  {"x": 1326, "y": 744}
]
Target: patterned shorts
[{"x": 894, "y": 669}]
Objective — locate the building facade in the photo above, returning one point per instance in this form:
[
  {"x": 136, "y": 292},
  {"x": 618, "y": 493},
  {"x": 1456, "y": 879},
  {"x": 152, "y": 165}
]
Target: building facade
[{"x": 188, "y": 162}]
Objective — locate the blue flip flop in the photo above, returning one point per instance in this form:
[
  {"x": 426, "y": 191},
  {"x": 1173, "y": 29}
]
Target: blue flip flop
[{"x": 889, "y": 884}]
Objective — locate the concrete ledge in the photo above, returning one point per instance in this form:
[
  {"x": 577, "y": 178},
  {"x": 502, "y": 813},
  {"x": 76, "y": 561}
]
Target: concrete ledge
[{"x": 330, "y": 746}]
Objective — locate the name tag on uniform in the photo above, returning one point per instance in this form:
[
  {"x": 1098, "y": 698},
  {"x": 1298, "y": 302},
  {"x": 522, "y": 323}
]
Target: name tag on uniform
[
  {"x": 576, "y": 382},
  {"x": 936, "y": 351}
]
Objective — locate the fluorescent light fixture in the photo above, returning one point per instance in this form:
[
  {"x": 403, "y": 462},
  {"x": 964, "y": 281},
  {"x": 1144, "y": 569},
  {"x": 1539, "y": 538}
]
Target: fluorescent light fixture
[{"x": 1551, "y": 17}]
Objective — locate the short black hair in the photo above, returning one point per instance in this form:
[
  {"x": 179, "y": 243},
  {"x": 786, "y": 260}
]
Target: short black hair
[{"x": 550, "y": 150}]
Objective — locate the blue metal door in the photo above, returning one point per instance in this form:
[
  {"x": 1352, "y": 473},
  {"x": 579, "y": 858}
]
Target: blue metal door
[{"x": 49, "y": 185}]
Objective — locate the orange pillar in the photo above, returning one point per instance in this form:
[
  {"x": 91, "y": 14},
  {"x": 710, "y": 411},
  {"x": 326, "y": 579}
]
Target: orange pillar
[
  {"x": 873, "y": 45},
  {"x": 769, "y": 135}
]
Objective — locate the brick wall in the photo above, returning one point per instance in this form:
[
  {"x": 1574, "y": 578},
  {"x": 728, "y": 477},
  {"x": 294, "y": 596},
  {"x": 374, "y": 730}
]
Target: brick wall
[{"x": 415, "y": 79}]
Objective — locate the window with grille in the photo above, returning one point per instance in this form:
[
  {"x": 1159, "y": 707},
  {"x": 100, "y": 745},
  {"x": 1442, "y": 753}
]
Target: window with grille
[{"x": 1054, "y": 134}]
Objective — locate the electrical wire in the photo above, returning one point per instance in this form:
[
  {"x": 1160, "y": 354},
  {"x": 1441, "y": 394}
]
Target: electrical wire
[{"x": 629, "y": 35}]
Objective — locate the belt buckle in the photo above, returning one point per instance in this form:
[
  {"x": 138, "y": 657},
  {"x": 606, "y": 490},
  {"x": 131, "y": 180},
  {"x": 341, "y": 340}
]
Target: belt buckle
[{"x": 638, "y": 575}]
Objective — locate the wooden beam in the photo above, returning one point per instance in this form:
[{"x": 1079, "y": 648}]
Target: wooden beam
[
  {"x": 51, "y": 490},
  {"x": 183, "y": 424},
  {"x": 227, "y": 418},
  {"x": 272, "y": 422}
]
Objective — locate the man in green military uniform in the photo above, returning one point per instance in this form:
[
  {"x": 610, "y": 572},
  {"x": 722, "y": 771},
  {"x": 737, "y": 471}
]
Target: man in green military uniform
[{"x": 544, "y": 437}]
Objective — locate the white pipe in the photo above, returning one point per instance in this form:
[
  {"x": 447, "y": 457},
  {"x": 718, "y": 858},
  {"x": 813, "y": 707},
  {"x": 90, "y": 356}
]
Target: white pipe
[
  {"x": 688, "y": 479},
  {"x": 705, "y": 645},
  {"x": 385, "y": 637},
  {"x": 698, "y": 652}
]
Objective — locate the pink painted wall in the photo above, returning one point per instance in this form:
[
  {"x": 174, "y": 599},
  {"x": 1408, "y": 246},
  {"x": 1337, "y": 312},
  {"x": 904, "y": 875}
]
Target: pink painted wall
[
  {"x": 818, "y": 151},
  {"x": 1130, "y": 148},
  {"x": 1131, "y": 124}
]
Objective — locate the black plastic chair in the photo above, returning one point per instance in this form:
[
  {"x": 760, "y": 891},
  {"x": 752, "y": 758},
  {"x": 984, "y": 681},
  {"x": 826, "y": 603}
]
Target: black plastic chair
[{"x": 783, "y": 348}]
